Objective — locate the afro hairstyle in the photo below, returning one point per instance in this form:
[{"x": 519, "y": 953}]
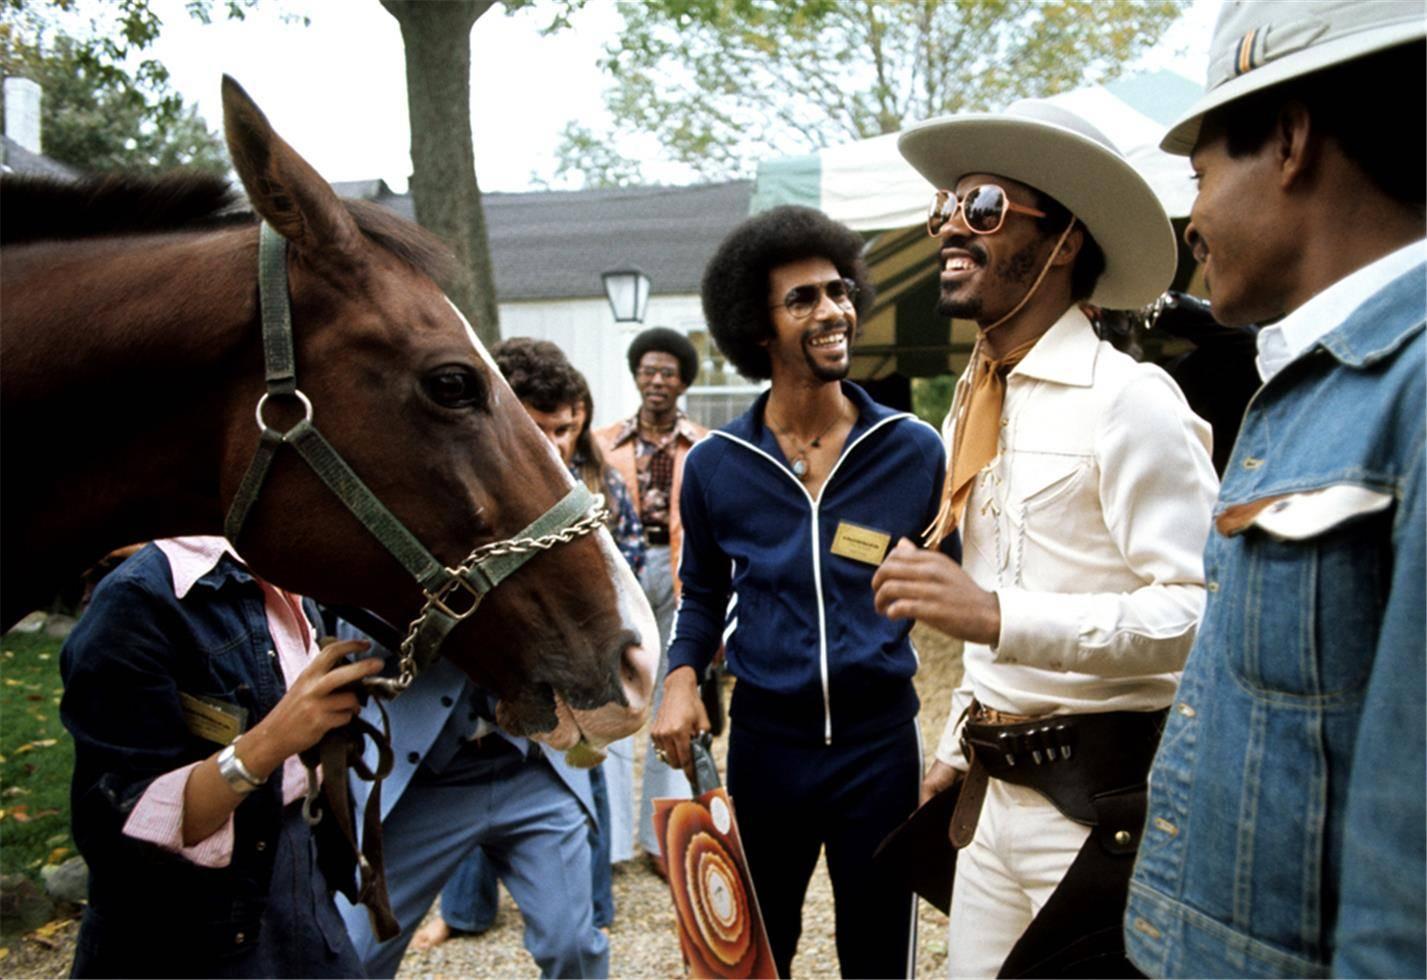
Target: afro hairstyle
[
  {"x": 735, "y": 283},
  {"x": 665, "y": 341},
  {"x": 538, "y": 373}
]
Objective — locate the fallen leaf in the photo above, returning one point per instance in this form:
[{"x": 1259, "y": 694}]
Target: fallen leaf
[
  {"x": 34, "y": 697},
  {"x": 50, "y": 928},
  {"x": 50, "y": 812},
  {"x": 11, "y": 682},
  {"x": 4, "y": 813},
  {"x": 57, "y": 855},
  {"x": 20, "y": 816},
  {"x": 3, "y": 759},
  {"x": 15, "y": 791},
  {"x": 44, "y": 656},
  {"x": 4, "y": 952},
  {"x": 39, "y": 743}
]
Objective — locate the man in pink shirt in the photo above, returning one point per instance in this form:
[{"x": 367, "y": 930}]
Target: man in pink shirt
[{"x": 189, "y": 684}]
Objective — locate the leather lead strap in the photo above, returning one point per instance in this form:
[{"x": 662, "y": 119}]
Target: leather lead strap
[{"x": 340, "y": 751}]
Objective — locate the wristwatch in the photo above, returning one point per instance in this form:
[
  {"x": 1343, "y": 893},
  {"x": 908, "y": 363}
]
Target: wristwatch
[{"x": 234, "y": 773}]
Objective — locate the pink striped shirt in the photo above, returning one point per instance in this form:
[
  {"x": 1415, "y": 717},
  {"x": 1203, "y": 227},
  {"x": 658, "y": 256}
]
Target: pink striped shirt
[{"x": 158, "y": 816}]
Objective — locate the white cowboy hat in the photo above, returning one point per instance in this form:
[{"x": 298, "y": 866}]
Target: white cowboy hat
[
  {"x": 1258, "y": 43},
  {"x": 1057, "y": 152}
]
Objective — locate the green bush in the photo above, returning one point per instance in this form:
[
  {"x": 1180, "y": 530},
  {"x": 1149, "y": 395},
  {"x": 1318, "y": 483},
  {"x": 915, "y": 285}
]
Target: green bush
[{"x": 931, "y": 398}]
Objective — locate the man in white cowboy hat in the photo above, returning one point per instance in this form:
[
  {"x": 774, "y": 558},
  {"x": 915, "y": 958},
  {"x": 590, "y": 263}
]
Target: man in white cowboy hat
[
  {"x": 1289, "y": 806},
  {"x": 1081, "y": 486}
]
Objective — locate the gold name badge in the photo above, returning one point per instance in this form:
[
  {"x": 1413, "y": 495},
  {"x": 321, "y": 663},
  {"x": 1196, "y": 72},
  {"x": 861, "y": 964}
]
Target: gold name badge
[
  {"x": 860, "y": 543},
  {"x": 212, "y": 719}
]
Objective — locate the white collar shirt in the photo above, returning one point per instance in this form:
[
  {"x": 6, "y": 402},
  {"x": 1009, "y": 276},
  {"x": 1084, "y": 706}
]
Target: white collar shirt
[
  {"x": 1283, "y": 342},
  {"x": 1089, "y": 525}
]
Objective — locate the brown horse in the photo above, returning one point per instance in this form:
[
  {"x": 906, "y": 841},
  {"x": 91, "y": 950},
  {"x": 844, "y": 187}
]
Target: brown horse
[{"x": 131, "y": 365}]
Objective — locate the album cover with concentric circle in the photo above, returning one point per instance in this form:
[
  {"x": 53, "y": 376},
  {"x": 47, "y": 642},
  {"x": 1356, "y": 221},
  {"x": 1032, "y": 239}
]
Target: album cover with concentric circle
[{"x": 720, "y": 927}]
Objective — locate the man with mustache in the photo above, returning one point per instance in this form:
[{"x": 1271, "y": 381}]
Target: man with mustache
[
  {"x": 649, "y": 450},
  {"x": 1081, "y": 486},
  {"x": 1288, "y": 802},
  {"x": 786, "y": 512}
]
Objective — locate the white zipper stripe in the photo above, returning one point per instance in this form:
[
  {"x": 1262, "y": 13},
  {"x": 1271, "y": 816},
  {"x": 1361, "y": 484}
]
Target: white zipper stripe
[{"x": 813, "y": 506}]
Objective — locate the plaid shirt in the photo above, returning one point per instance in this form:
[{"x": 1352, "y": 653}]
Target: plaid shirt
[{"x": 654, "y": 466}]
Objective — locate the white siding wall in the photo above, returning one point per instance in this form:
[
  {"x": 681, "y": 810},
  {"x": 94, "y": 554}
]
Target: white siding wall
[{"x": 585, "y": 330}]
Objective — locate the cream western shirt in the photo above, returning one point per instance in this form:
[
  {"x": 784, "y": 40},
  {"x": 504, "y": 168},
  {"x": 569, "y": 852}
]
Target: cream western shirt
[{"x": 1089, "y": 525}]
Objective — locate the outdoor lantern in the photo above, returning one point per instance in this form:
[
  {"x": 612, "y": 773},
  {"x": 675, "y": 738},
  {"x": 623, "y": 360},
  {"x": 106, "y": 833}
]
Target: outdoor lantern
[{"x": 628, "y": 292}]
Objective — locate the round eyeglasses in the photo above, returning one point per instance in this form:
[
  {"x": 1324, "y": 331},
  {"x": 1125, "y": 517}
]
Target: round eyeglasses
[{"x": 801, "y": 301}]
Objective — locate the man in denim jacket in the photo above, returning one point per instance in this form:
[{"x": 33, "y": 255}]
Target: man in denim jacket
[{"x": 1287, "y": 816}]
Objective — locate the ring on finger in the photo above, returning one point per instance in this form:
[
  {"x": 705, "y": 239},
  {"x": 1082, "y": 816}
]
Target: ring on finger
[{"x": 662, "y": 756}]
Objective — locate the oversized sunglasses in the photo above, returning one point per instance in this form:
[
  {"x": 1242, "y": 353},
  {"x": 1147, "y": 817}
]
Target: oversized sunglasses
[
  {"x": 802, "y": 300},
  {"x": 983, "y": 208}
]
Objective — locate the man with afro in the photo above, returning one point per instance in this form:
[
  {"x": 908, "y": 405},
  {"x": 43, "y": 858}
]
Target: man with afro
[
  {"x": 787, "y": 512},
  {"x": 648, "y": 450}
]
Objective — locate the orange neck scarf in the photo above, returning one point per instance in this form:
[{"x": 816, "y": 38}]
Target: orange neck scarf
[{"x": 977, "y": 434}]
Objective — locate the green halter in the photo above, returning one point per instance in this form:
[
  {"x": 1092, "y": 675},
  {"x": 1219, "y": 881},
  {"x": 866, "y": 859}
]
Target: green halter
[{"x": 578, "y": 513}]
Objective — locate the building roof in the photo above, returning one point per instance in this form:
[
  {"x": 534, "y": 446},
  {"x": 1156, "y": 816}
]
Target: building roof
[
  {"x": 555, "y": 244},
  {"x": 15, "y": 159}
]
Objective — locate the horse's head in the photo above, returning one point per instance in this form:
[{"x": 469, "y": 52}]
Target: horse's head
[{"x": 406, "y": 394}]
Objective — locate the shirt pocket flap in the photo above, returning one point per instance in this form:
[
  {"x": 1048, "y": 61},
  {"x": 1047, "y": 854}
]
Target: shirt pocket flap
[
  {"x": 1304, "y": 515},
  {"x": 1042, "y": 477}
]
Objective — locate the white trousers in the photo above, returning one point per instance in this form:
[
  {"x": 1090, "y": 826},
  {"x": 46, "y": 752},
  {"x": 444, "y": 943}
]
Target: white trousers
[{"x": 1022, "y": 848}]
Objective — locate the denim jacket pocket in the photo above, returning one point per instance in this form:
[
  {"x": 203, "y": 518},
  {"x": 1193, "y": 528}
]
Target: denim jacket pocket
[{"x": 1315, "y": 567}]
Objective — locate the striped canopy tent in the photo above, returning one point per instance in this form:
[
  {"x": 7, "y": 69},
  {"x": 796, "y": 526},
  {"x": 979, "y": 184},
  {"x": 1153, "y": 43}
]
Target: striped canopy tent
[{"x": 868, "y": 186}]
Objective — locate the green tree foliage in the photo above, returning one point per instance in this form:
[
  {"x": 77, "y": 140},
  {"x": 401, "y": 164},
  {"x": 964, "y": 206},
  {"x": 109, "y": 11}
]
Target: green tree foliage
[
  {"x": 586, "y": 159},
  {"x": 104, "y": 106},
  {"x": 724, "y": 83}
]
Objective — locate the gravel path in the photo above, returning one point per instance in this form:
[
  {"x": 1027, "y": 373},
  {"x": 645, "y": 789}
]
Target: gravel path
[{"x": 643, "y": 942}]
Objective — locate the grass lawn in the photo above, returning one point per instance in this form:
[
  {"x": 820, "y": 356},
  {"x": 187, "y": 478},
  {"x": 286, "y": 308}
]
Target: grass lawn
[{"x": 36, "y": 756}]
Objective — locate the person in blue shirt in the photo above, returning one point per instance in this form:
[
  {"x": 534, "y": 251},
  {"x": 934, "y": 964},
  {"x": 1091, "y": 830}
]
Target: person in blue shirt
[
  {"x": 1287, "y": 831},
  {"x": 787, "y": 512}
]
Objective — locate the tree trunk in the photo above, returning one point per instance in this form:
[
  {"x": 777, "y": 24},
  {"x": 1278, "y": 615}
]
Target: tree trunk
[{"x": 437, "y": 39}]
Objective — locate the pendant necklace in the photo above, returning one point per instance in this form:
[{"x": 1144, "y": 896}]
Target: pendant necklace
[{"x": 799, "y": 463}]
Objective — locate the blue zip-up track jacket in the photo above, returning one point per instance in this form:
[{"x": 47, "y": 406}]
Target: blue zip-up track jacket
[{"x": 813, "y": 658}]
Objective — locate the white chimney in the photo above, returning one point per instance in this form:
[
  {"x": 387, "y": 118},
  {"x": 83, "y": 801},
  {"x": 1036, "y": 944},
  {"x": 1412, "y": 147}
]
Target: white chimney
[{"x": 22, "y": 112}]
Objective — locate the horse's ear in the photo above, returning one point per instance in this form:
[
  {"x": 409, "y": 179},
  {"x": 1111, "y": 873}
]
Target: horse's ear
[{"x": 284, "y": 189}]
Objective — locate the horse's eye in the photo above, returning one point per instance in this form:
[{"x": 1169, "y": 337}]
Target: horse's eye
[{"x": 454, "y": 387}]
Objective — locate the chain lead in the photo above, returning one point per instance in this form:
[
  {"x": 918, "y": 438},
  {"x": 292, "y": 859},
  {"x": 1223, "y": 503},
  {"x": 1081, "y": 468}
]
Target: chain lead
[{"x": 406, "y": 666}]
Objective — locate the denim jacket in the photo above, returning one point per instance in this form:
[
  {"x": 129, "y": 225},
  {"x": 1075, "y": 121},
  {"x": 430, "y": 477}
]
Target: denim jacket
[
  {"x": 1288, "y": 802},
  {"x": 136, "y": 649}
]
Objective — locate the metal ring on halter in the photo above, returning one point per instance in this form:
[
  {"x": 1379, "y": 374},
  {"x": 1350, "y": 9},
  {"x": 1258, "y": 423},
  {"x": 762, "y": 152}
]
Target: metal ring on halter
[{"x": 297, "y": 392}]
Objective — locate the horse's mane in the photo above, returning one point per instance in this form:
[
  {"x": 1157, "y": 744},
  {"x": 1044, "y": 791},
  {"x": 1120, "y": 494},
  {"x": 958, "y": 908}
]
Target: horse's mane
[{"x": 46, "y": 209}]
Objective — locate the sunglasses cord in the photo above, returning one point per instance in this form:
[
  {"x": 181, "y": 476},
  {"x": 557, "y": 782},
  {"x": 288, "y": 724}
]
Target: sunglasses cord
[{"x": 1035, "y": 285}]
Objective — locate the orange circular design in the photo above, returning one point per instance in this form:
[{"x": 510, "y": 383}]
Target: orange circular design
[
  {"x": 711, "y": 893},
  {"x": 720, "y": 905}
]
